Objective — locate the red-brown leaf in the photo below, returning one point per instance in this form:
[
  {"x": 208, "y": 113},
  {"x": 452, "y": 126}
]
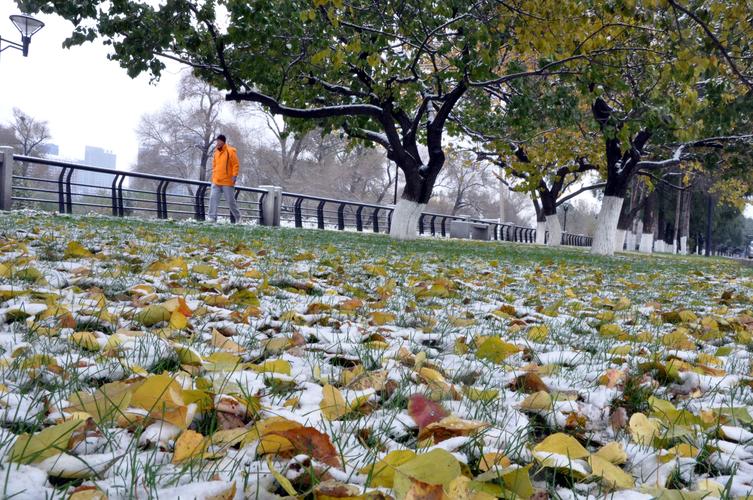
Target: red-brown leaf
[
  {"x": 425, "y": 411},
  {"x": 313, "y": 443}
]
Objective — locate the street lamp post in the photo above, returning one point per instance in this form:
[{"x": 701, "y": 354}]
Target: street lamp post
[{"x": 27, "y": 26}]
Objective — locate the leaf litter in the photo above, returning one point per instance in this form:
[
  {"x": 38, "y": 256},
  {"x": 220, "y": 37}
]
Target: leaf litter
[{"x": 170, "y": 360}]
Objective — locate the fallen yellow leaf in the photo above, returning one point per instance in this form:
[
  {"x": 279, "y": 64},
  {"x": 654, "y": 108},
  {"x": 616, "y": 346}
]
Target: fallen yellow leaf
[{"x": 190, "y": 444}]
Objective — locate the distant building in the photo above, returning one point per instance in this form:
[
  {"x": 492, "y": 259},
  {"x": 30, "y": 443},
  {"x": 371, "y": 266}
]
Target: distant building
[
  {"x": 94, "y": 181},
  {"x": 98, "y": 157},
  {"x": 49, "y": 149}
]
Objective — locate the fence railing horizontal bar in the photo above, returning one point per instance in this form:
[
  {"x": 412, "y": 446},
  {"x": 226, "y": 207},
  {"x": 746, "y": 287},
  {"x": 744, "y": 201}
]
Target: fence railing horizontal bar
[
  {"x": 37, "y": 190},
  {"x": 91, "y": 168},
  {"x": 84, "y": 204},
  {"x": 37, "y": 179},
  {"x": 37, "y": 200},
  {"x": 333, "y": 200}
]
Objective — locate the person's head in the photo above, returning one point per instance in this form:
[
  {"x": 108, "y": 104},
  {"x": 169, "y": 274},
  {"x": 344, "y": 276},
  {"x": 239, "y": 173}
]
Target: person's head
[{"x": 220, "y": 141}]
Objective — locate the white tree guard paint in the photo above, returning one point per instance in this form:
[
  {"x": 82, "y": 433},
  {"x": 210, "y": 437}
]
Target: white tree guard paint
[
  {"x": 504, "y": 196},
  {"x": 540, "y": 232},
  {"x": 683, "y": 245},
  {"x": 606, "y": 226},
  {"x": 619, "y": 240},
  {"x": 659, "y": 246},
  {"x": 647, "y": 243},
  {"x": 630, "y": 238},
  {"x": 405, "y": 217},
  {"x": 555, "y": 230}
]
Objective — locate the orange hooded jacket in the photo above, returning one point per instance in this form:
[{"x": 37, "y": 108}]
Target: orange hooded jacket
[{"x": 225, "y": 166}]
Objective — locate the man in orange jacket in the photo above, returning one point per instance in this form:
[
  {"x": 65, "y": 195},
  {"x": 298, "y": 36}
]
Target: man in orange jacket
[{"x": 225, "y": 167}]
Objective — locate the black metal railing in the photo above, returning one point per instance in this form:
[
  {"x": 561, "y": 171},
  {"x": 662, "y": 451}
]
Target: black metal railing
[
  {"x": 67, "y": 185},
  {"x": 144, "y": 193},
  {"x": 500, "y": 231},
  {"x": 304, "y": 210},
  {"x": 576, "y": 240}
]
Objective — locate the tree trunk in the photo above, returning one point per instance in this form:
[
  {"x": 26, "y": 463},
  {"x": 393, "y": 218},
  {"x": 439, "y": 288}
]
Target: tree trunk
[
  {"x": 416, "y": 194},
  {"x": 540, "y": 221},
  {"x": 647, "y": 242},
  {"x": 619, "y": 239},
  {"x": 504, "y": 195},
  {"x": 630, "y": 240},
  {"x": 669, "y": 238},
  {"x": 549, "y": 210},
  {"x": 458, "y": 204},
  {"x": 555, "y": 230},
  {"x": 625, "y": 237},
  {"x": 709, "y": 219},
  {"x": 203, "y": 165},
  {"x": 678, "y": 215},
  {"x": 647, "y": 238},
  {"x": 684, "y": 230},
  {"x": 660, "y": 221},
  {"x": 611, "y": 205},
  {"x": 541, "y": 232},
  {"x": 404, "y": 225},
  {"x": 606, "y": 225},
  {"x": 637, "y": 234}
]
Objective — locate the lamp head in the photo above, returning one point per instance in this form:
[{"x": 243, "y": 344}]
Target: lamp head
[{"x": 27, "y": 26}]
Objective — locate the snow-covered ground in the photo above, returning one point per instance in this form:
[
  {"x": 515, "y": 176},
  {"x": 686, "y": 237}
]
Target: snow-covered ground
[{"x": 180, "y": 360}]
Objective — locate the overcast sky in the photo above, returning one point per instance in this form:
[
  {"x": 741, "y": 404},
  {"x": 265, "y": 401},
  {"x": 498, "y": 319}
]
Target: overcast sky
[{"x": 85, "y": 98}]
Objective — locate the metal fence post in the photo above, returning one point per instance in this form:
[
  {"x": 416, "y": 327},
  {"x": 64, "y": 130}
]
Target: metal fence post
[
  {"x": 271, "y": 205},
  {"x": 6, "y": 177},
  {"x": 277, "y": 221}
]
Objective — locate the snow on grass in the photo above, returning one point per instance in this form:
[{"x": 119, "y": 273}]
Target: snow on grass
[{"x": 163, "y": 359}]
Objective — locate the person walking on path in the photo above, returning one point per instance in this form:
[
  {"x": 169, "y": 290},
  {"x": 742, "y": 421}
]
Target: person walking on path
[{"x": 225, "y": 167}]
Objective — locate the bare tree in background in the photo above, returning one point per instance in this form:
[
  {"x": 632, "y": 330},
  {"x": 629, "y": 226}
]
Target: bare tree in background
[
  {"x": 7, "y": 135},
  {"x": 291, "y": 147},
  {"x": 30, "y": 136},
  {"x": 356, "y": 172},
  {"x": 178, "y": 139},
  {"x": 464, "y": 184},
  {"x": 581, "y": 218},
  {"x": 320, "y": 164}
]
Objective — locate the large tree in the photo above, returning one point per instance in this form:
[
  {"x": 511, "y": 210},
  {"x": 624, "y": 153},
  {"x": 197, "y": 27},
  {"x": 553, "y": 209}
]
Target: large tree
[
  {"x": 389, "y": 72},
  {"x": 652, "y": 105},
  {"x": 541, "y": 136}
]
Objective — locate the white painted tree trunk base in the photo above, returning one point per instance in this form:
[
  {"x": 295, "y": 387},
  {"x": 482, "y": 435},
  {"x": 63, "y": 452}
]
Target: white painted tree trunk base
[
  {"x": 555, "y": 230},
  {"x": 630, "y": 237},
  {"x": 658, "y": 246},
  {"x": 683, "y": 245},
  {"x": 647, "y": 243},
  {"x": 606, "y": 226},
  {"x": 540, "y": 232},
  {"x": 404, "y": 225},
  {"x": 619, "y": 240},
  {"x": 504, "y": 196}
]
